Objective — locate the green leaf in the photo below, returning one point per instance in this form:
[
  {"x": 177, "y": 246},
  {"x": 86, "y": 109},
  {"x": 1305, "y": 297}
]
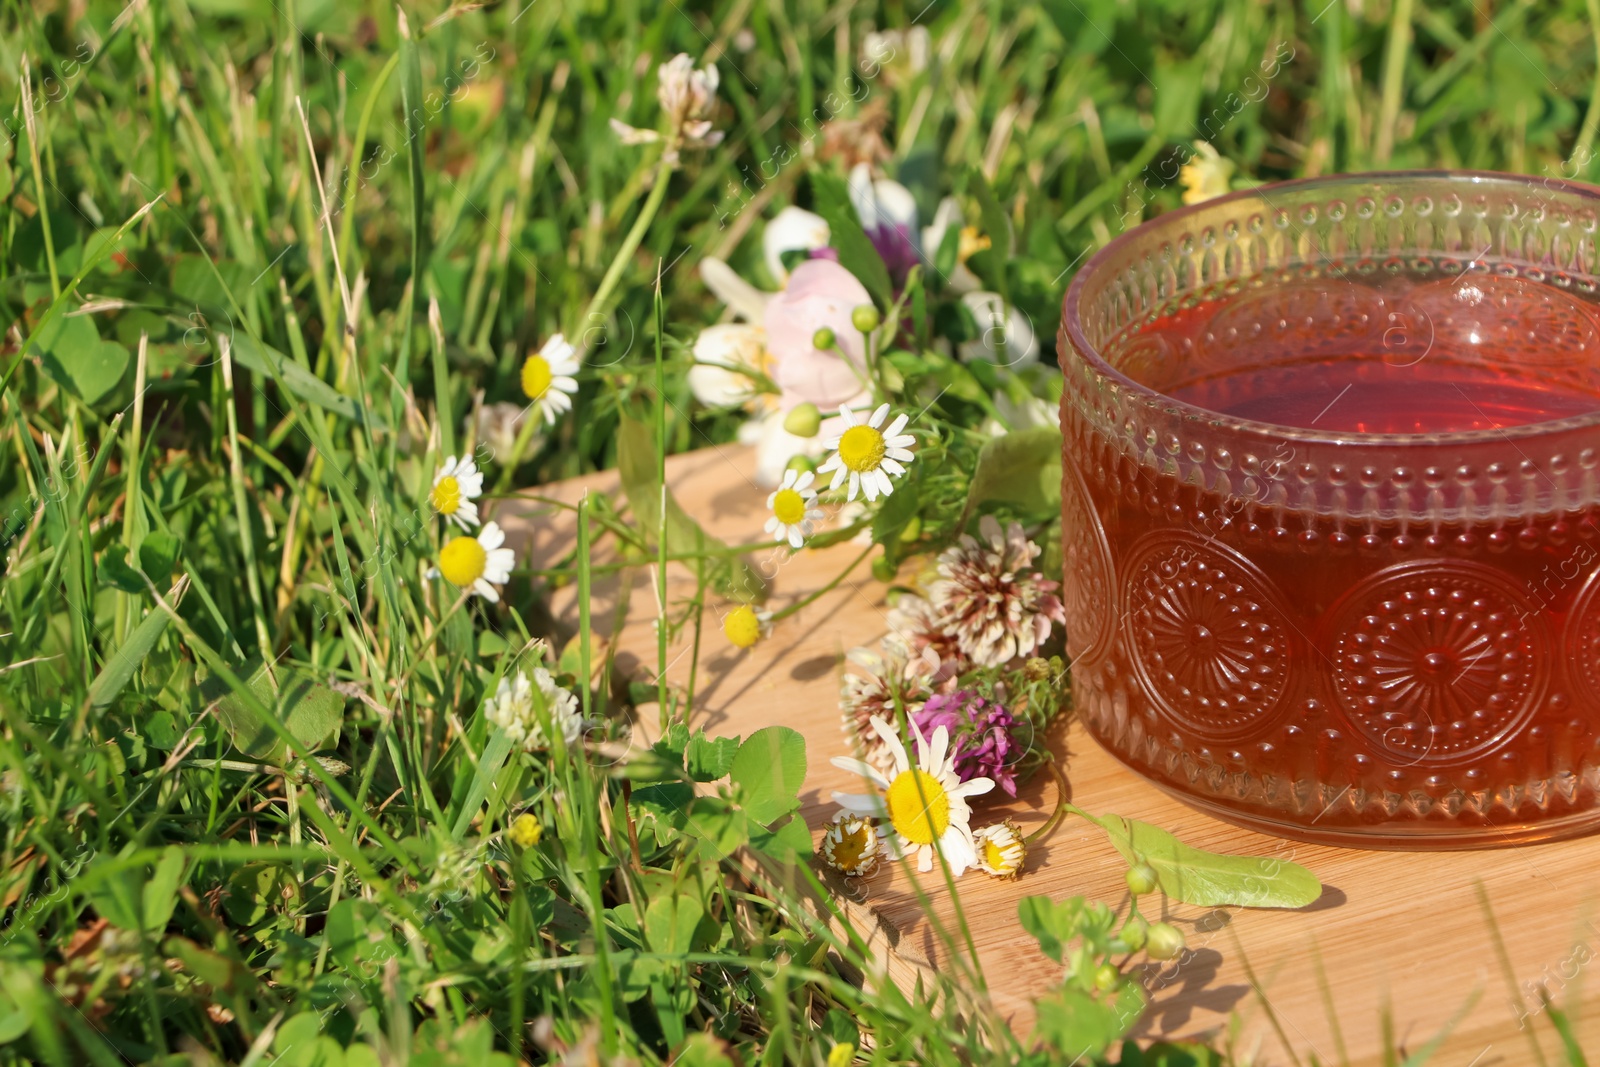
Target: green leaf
[
  {"x": 119, "y": 669},
  {"x": 768, "y": 771},
  {"x": 670, "y": 921},
  {"x": 73, "y": 353},
  {"x": 210, "y": 967},
  {"x": 789, "y": 843},
  {"x": 996, "y": 226},
  {"x": 1081, "y": 1025},
  {"x": 13, "y": 1024},
  {"x": 115, "y": 572},
  {"x": 1021, "y": 468},
  {"x": 161, "y": 891},
  {"x": 708, "y": 759},
  {"x": 158, "y": 554},
  {"x": 731, "y": 576},
  {"x": 722, "y": 828},
  {"x": 1050, "y": 923},
  {"x": 493, "y": 758},
  {"x": 856, "y": 253},
  {"x": 116, "y": 897},
  {"x": 308, "y": 709},
  {"x": 270, "y": 363},
  {"x": 1209, "y": 879}
]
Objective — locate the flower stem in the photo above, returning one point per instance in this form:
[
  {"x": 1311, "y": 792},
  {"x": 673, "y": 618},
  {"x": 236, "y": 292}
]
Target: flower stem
[
  {"x": 1062, "y": 807},
  {"x": 597, "y": 308}
]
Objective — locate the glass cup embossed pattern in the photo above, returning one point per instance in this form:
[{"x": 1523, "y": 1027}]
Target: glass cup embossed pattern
[{"x": 1331, "y": 506}]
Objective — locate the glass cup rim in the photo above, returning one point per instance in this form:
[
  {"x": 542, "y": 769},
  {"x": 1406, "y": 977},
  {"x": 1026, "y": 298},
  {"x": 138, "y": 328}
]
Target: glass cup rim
[{"x": 1088, "y": 353}]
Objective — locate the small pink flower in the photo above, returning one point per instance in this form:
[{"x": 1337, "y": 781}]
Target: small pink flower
[{"x": 820, "y": 293}]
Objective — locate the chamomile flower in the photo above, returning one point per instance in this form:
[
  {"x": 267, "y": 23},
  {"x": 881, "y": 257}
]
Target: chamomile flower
[
  {"x": 477, "y": 564},
  {"x": 868, "y": 453},
  {"x": 925, "y": 806},
  {"x": 455, "y": 486},
  {"x": 744, "y": 626},
  {"x": 547, "y": 377},
  {"x": 512, "y": 709},
  {"x": 1001, "y": 849},
  {"x": 851, "y": 844},
  {"x": 793, "y": 517}
]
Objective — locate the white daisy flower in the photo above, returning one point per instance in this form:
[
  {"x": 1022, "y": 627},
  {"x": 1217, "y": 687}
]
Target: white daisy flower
[
  {"x": 456, "y": 485},
  {"x": 477, "y": 564},
  {"x": 793, "y": 518},
  {"x": 512, "y": 709},
  {"x": 851, "y": 844},
  {"x": 1001, "y": 849},
  {"x": 925, "y": 806},
  {"x": 867, "y": 453},
  {"x": 547, "y": 377}
]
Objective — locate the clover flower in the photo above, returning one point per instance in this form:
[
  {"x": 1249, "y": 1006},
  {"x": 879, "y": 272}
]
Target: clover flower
[
  {"x": 991, "y": 598},
  {"x": 982, "y": 735}
]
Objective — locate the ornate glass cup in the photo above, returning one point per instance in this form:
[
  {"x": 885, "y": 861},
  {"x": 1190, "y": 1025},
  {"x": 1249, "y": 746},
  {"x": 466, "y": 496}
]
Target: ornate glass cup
[{"x": 1331, "y": 506}]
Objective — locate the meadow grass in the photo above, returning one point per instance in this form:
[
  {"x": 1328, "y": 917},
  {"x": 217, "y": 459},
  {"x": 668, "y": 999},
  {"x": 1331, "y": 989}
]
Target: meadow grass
[{"x": 267, "y": 263}]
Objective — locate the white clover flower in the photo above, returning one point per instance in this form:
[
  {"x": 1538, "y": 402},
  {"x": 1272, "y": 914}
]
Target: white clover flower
[
  {"x": 990, "y": 597},
  {"x": 867, "y": 454},
  {"x": 512, "y": 710},
  {"x": 687, "y": 97},
  {"x": 456, "y": 484}
]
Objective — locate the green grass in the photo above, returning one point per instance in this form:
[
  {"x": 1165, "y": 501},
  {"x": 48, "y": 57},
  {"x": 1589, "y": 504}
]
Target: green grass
[{"x": 219, "y": 422}]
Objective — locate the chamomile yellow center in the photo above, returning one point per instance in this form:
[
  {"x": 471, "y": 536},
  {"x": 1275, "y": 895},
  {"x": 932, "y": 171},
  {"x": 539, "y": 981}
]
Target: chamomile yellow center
[
  {"x": 463, "y": 561},
  {"x": 447, "y": 495},
  {"x": 919, "y": 807},
  {"x": 993, "y": 856},
  {"x": 789, "y": 507},
  {"x": 536, "y": 377},
  {"x": 742, "y": 627},
  {"x": 861, "y": 448},
  {"x": 853, "y": 848}
]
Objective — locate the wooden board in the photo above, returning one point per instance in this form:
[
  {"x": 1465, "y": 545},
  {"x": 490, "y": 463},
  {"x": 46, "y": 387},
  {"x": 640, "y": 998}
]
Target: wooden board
[{"x": 1402, "y": 931}]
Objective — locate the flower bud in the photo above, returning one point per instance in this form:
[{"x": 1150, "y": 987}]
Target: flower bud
[
  {"x": 803, "y": 420},
  {"x": 1141, "y": 879},
  {"x": 1107, "y": 977},
  {"x": 801, "y": 463},
  {"x": 865, "y": 318},
  {"x": 1134, "y": 932},
  {"x": 883, "y": 570},
  {"x": 1164, "y": 941},
  {"x": 823, "y": 339}
]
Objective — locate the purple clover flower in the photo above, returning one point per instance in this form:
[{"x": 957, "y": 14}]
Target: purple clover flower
[{"x": 982, "y": 735}]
